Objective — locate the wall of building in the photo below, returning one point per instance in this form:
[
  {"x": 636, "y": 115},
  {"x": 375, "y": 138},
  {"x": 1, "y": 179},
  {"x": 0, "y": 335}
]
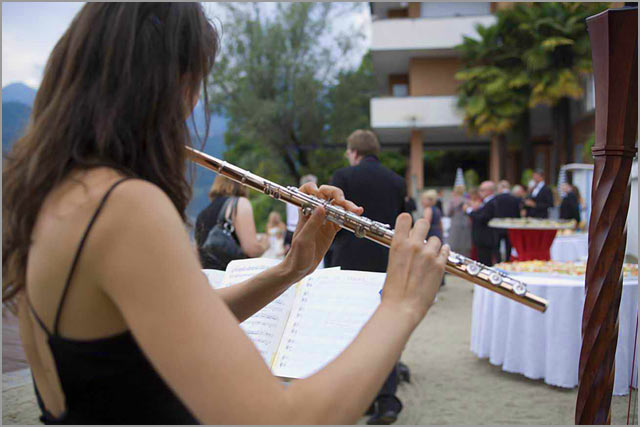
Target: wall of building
[
  {"x": 433, "y": 76},
  {"x": 414, "y": 9},
  {"x": 499, "y": 5}
]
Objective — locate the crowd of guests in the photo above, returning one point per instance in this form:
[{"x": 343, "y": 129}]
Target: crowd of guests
[{"x": 470, "y": 212}]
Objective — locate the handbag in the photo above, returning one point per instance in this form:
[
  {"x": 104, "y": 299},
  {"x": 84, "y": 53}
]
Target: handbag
[{"x": 220, "y": 247}]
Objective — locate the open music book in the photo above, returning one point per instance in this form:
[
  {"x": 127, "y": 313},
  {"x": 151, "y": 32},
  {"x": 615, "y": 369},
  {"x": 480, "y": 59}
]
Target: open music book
[{"x": 311, "y": 323}]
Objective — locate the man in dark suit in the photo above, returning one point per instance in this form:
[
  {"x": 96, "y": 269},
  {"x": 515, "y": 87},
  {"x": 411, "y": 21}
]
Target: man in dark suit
[
  {"x": 381, "y": 193},
  {"x": 484, "y": 237},
  {"x": 540, "y": 199},
  {"x": 507, "y": 206}
]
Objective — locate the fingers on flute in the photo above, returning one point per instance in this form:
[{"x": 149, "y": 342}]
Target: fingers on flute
[
  {"x": 443, "y": 255},
  {"x": 419, "y": 231},
  {"x": 432, "y": 247},
  {"x": 403, "y": 225},
  {"x": 336, "y": 195},
  {"x": 309, "y": 188}
]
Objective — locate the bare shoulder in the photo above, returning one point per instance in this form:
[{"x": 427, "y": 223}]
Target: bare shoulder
[
  {"x": 141, "y": 242},
  {"x": 136, "y": 215}
]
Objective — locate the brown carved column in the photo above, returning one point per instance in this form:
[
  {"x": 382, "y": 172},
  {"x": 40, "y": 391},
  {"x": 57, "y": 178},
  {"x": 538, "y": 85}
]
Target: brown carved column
[{"x": 614, "y": 45}]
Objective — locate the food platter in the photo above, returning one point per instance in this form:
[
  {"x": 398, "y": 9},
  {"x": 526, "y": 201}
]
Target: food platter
[
  {"x": 533, "y": 223},
  {"x": 557, "y": 267}
]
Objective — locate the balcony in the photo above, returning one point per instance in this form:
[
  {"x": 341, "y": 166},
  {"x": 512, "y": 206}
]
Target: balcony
[
  {"x": 437, "y": 117},
  {"x": 415, "y": 112},
  {"x": 424, "y": 34},
  {"x": 396, "y": 41}
]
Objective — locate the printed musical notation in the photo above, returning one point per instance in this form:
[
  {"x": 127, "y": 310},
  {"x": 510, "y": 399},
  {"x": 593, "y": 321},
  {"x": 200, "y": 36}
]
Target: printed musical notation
[
  {"x": 265, "y": 327},
  {"x": 329, "y": 311}
]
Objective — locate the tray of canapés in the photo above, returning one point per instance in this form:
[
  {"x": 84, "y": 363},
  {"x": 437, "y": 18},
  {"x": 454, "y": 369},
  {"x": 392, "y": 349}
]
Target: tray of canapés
[
  {"x": 558, "y": 267},
  {"x": 533, "y": 223}
]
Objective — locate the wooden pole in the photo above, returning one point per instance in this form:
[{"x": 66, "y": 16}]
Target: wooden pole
[{"x": 614, "y": 46}]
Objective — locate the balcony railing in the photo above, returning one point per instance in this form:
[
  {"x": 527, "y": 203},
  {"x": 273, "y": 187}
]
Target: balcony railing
[
  {"x": 425, "y": 33},
  {"x": 415, "y": 112}
]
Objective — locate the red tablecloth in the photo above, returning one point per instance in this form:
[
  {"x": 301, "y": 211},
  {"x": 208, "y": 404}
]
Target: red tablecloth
[{"x": 532, "y": 244}]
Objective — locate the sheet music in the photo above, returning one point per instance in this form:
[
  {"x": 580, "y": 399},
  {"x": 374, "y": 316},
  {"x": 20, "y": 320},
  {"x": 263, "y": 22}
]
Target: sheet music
[
  {"x": 265, "y": 327},
  {"x": 329, "y": 310},
  {"x": 215, "y": 277},
  {"x": 241, "y": 269}
]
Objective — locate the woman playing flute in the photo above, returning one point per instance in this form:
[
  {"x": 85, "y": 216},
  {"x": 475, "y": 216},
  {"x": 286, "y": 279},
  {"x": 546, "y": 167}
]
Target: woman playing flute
[{"x": 118, "y": 322}]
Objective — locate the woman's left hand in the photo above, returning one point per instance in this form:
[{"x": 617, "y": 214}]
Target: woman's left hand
[{"x": 314, "y": 234}]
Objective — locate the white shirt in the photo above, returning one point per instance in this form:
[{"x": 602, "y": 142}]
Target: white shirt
[
  {"x": 484, "y": 202},
  {"x": 537, "y": 189},
  {"x": 292, "y": 217}
]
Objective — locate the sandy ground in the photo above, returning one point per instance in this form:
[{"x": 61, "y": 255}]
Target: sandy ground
[{"x": 449, "y": 384}]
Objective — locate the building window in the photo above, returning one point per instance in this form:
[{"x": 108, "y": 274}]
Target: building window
[
  {"x": 400, "y": 89},
  {"x": 442, "y": 10}
]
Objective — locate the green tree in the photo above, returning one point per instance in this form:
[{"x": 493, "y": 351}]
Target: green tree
[
  {"x": 495, "y": 87},
  {"x": 289, "y": 106},
  {"x": 271, "y": 80},
  {"x": 557, "y": 55}
]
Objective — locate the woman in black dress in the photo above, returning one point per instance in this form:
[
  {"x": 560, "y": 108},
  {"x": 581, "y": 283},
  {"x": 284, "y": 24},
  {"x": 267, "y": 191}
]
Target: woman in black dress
[{"x": 118, "y": 322}]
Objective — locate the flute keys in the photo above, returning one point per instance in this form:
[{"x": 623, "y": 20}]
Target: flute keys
[
  {"x": 473, "y": 269},
  {"x": 455, "y": 259},
  {"x": 495, "y": 278},
  {"x": 519, "y": 288},
  {"x": 359, "y": 231}
]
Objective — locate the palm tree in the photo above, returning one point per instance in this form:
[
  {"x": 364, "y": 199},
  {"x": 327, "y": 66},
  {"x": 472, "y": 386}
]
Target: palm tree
[
  {"x": 557, "y": 55},
  {"x": 494, "y": 89}
]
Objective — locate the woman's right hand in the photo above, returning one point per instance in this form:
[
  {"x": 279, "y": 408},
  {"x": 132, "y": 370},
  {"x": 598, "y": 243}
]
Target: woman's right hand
[{"x": 415, "y": 269}]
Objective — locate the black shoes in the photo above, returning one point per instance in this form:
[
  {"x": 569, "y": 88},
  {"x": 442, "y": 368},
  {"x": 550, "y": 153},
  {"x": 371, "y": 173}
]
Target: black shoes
[
  {"x": 403, "y": 372},
  {"x": 385, "y": 410}
]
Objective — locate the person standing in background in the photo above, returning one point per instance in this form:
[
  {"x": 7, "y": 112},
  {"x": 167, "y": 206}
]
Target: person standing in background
[
  {"x": 507, "y": 206},
  {"x": 252, "y": 244},
  {"x": 520, "y": 193},
  {"x": 460, "y": 230},
  {"x": 381, "y": 192},
  {"x": 438, "y": 202},
  {"x": 484, "y": 237},
  {"x": 429, "y": 199},
  {"x": 540, "y": 199},
  {"x": 275, "y": 230},
  {"x": 570, "y": 206}
]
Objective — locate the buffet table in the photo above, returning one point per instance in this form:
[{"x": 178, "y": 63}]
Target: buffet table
[
  {"x": 532, "y": 244},
  {"x": 572, "y": 247},
  {"x": 531, "y": 237},
  {"x": 547, "y": 345}
]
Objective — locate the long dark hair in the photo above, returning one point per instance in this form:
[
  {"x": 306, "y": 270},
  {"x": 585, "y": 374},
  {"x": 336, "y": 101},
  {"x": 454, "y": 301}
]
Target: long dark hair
[{"x": 116, "y": 92}]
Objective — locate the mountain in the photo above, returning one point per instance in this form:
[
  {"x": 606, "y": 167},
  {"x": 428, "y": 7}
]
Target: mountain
[
  {"x": 18, "y": 92},
  {"x": 15, "y": 116}
]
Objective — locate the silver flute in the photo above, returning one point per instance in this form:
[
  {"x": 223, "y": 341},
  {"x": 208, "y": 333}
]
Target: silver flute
[{"x": 361, "y": 226}]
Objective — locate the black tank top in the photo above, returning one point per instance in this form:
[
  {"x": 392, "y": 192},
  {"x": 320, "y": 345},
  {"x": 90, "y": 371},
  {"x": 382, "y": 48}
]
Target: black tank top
[{"x": 107, "y": 380}]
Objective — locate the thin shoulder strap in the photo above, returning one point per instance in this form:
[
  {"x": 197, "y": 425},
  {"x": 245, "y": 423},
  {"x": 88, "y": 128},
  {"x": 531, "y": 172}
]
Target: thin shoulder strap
[{"x": 77, "y": 255}]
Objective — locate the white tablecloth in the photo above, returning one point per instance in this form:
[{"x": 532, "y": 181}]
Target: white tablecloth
[
  {"x": 570, "y": 248},
  {"x": 547, "y": 345}
]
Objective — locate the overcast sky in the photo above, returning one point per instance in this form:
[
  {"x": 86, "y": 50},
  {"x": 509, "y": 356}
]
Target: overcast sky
[{"x": 30, "y": 30}]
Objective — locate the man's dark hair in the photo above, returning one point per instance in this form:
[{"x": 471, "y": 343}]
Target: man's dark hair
[{"x": 363, "y": 142}]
